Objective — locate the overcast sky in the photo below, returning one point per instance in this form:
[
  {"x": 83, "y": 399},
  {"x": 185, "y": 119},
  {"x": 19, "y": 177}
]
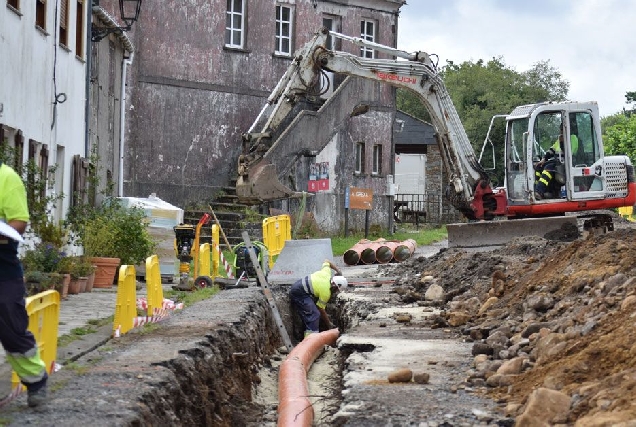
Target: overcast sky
[{"x": 591, "y": 42}]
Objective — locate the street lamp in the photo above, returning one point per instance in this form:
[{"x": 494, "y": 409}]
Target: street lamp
[{"x": 128, "y": 12}]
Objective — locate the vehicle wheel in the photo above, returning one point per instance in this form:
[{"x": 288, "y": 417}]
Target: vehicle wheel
[{"x": 203, "y": 282}]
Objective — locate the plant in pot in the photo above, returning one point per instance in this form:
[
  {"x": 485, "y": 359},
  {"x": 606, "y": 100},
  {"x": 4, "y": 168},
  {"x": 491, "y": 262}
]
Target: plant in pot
[
  {"x": 81, "y": 267},
  {"x": 41, "y": 268},
  {"x": 112, "y": 235}
]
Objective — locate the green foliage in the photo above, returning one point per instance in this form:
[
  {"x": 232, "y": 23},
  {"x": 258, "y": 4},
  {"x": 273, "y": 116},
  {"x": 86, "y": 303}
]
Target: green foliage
[
  {"x": 190, "y": 297},
  {"x": 81, "y": 267},
  {"x": 112, "y": 231},
  {"x": 44, "y": 257},
  {"x": 619, "y": 135},
  {"x": 423, "y": 237},
  {"x": 36, "y": 184}
]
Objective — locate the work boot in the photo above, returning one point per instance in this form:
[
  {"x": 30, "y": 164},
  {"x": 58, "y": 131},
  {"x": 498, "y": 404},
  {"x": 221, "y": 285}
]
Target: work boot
[{"x": 36, "y": 398}]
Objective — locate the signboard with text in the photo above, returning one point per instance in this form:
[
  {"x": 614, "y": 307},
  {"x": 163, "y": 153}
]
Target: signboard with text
[{"x": 359, "y": 198}]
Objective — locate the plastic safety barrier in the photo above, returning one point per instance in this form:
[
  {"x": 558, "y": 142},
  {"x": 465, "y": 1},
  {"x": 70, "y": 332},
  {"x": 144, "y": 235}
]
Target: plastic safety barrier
[
  {"x": 43, "y": 310},
  {"x": 276, "y": 231},
  {"x": 153, "y": 284},
  {"x": 126, "y": 303}
]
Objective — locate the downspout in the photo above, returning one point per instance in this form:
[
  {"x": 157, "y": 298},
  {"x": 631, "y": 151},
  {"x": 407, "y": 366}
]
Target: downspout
[
  {"x": 87, "y": 112},
  {"x": 122, "y": 120}
]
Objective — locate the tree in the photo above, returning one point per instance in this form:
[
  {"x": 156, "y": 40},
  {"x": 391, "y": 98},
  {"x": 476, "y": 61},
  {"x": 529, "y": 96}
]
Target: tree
[
  {"x": 482, "y": 89},
  {"x": 619, "y": 135}
]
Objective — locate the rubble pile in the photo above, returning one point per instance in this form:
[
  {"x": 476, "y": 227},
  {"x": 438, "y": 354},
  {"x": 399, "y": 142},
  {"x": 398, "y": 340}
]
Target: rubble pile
[{"x": 553, "y": 323}]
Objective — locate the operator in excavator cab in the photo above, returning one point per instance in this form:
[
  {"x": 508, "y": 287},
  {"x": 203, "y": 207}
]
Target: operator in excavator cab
[
  {"x": 310, "y": 295},
  {"x": 547, "y": 185}
]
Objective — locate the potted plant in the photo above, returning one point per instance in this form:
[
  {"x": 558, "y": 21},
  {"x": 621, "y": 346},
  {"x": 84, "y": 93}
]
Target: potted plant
[
  {"x": 112, "y": 234},
  {"x": 41, "y": 268}
]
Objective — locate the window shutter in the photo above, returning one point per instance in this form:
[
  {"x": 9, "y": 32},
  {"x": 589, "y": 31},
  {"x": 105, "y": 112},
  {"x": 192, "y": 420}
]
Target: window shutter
[{"x": 64, "y": 14}]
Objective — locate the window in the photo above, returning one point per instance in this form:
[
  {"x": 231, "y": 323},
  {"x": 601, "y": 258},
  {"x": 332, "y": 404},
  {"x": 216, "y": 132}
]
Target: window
[
  {"x": 14, "y": 4},
  {"x": 359, "y": 157},
  {"x": 64, "y": 22},
  {"x": 40, "y": 13},
  {"x": 332, "y": 23},
  {"x": 377, "y": 160},
  {"x": 367, "y": 32},
  {"x": 79, "y": 29},
  {"x": 284, "y": 30},
  {"x": 234, "y": 20}
]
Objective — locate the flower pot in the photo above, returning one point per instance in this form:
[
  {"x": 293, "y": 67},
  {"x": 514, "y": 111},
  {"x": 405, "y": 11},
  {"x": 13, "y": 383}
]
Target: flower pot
[
  {"x": 82, "y": 283},
  {"x": 90, "y": 282},
  {"x": 74, "y": 286},
  {"x": 65, "y": 282},
  {"x": 105, "y": 271}
]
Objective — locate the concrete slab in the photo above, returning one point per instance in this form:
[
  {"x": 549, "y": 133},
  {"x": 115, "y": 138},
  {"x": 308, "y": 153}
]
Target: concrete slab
[
  {"x": 489, "y": 233},
  {"x": 298, "y": 259}
]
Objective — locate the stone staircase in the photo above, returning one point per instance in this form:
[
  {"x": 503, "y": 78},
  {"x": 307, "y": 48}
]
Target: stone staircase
[{"x": 233, "y": 217}]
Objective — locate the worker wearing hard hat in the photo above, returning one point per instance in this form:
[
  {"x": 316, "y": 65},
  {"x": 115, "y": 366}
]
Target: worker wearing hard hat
[{"x": 310, "y": 295}]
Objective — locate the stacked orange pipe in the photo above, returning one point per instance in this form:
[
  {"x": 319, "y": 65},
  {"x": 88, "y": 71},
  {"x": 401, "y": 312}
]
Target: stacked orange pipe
[
  {"x": 294, "y": 406},
  {"x": 404, "y": 250}
]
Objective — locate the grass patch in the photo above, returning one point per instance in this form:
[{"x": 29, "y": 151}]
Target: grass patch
[
  {"x": 424, "y": 236},
  {"x": 149, "y": 328},
  {"x": 102, "y": 322},
  {"x": 190, "y": 297},
  {"x": 75, "y": 334},
  {"x": 77, "y": 368}
]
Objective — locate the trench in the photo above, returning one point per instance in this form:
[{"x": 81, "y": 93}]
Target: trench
[{"x": 216, "y": 364}]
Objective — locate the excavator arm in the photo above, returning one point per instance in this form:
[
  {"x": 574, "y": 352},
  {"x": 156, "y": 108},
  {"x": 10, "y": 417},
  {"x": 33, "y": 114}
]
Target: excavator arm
[{"x": 469, "y": 188}]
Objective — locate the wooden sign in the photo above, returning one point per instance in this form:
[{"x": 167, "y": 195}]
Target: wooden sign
[{"x": 359, "y": 198}]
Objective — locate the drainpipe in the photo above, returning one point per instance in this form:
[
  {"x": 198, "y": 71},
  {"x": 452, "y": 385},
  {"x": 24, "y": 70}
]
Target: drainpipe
[
  {"x": 89, "y": 54},
  {"x": 122, "y": 120}
]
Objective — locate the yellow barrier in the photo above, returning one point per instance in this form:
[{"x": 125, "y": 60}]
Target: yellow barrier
[
  {"x": 215, "y": 250},
  {"x": 153, "y": 285},
  {"x": 43, "y": 310},
  {"x": 627, "y": 212},
  {"x": 204, "y": 260},
  {"x": 126, "y": 304},
  {"x": 276, "y": 230}
]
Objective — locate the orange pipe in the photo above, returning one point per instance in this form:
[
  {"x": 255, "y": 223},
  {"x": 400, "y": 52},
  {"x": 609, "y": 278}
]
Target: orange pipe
[
  {"x": 384, "y": 253},
  {"x": 404, "y": 250},
  {"x": 352, "y": 256},
  {"x": 294, "y": 406}
]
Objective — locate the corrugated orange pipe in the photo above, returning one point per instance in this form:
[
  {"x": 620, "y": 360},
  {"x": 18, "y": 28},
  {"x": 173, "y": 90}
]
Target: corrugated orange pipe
[{"x": 294, "y": 406}]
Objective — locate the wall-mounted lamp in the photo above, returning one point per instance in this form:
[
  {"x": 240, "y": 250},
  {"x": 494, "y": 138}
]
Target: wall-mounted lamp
[
  {"x": 128, "y": 12},
  {"x": 314, "y": 3}
]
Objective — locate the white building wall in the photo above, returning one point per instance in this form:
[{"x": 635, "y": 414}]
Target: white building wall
[{"x": 31, "y": 58}]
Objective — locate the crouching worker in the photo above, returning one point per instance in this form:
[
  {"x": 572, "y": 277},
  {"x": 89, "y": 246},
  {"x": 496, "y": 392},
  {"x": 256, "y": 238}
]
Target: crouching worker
[{"x": 310, "y": 295}]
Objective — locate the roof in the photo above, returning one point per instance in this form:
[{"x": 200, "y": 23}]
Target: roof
[
  {"x": 413, "y": 131},
  {"x": 106, "y": 19}
]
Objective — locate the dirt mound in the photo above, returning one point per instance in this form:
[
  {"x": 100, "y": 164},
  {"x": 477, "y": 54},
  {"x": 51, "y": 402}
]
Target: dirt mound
[{"x": 542, "y": 315}]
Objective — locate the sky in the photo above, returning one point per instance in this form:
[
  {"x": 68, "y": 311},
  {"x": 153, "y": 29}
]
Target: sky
[{"x": 591, "y": 42}]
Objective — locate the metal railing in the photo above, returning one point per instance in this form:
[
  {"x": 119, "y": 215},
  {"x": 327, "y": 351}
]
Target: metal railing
[{"x": 423, "y": 209}]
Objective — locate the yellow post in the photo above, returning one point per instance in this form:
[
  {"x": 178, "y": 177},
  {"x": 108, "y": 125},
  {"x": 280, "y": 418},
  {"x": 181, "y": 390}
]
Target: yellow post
[
  {"x": 153, "y": 285},
  {"x": 204, "y": 260},
  {"x": 215, "y": 251},
  {"x": 126, "y": 304}
]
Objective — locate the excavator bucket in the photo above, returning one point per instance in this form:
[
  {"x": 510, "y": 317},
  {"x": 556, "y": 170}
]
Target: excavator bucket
[
  {"x": 496, "y": 233},
  {"x": 262, "y": 185}
]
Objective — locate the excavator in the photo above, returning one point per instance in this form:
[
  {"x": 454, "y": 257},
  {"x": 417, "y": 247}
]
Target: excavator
[{"x": 586, "y": 179}]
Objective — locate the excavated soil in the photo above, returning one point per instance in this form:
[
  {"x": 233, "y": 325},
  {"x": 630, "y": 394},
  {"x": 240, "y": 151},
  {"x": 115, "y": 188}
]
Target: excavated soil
[{"x": 559, "y": 316}]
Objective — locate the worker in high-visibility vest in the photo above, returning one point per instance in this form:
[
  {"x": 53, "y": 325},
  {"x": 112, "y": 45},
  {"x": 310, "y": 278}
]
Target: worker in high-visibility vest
[
  {"x": 545, "y": 171},
  {"x": 22, "y": 351}
]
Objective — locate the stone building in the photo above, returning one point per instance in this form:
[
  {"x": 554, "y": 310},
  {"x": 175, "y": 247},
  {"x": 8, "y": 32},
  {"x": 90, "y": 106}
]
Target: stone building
[{"x": 203, "y": 71}]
